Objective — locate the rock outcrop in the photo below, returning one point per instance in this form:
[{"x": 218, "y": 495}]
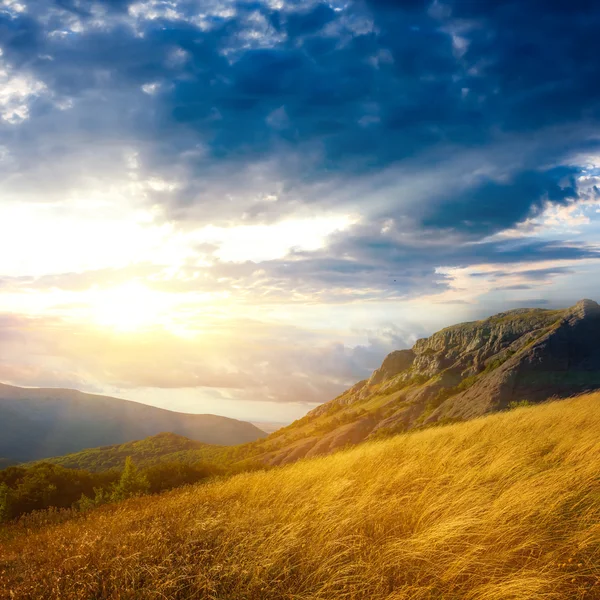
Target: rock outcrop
[
  {"x": 393, "y": 364},
  {"x": 562, "y": 361}
]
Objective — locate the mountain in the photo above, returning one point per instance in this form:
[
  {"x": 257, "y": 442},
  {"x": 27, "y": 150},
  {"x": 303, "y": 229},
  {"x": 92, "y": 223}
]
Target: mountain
[
  {"x": 497, "y": 508},
  {"x": 460, "y": 372},
  {"x": 38, "y": 423},
  {"x": 160, "y": 448}
]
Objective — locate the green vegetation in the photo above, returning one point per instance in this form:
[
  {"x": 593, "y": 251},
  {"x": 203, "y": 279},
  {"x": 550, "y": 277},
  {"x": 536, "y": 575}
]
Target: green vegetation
[
  {"x": 170, "y": 475},
  {"x": 131, "y": 483},
  {"x": 531, "y": 318},
  {"x": 492, "y": 365},
  {"x": 416, "y": 379},
  {"x": 43, "y": 485},
  {"x": 164, "y": 447},
  {"x": 337, "y": 421},
  {"x": 382, "y": 433},
  {"x": 519, "y": 404},
  {"x": 4, "y": 502},
  {"x": 26, "y": 489},
  {"x": 444, "y": 393}
]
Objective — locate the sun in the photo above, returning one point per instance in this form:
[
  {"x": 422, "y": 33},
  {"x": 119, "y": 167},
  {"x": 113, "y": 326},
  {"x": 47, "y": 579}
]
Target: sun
[{"x": 128, "y": 307}]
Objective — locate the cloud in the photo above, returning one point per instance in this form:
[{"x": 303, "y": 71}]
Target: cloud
[
  {"x": 79, "y": 281},
  {"x": 363, "y": 263},
  {"x": 277, "y": 363},
  {"x": 437, "y": 139},
  {"x": 370, "y": 263},
  {"x": 493, "y": 206},
  {"x": 251, "y": 99}
]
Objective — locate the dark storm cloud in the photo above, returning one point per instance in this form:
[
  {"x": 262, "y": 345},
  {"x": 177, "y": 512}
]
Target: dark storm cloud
[
  {"x": 543, "y": 274},
  {"x": 307, "y": 100},
  {"x": 378, "y": 266},
  {"x": 493, "y": 206}
]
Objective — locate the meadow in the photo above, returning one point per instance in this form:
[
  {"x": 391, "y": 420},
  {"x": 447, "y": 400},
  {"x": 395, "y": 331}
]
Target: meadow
[{"x": 501, "y": 507}]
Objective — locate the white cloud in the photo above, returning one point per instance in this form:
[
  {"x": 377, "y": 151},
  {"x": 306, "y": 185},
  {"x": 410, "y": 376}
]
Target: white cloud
[
  {"x": 150, "y": 88},
  {"x": 17, "y": 91},
  {"x": 13, "y": 6},
  {"x": 268, "y": 242}
]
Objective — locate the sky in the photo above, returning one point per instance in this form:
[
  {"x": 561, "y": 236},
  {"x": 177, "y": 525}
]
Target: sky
[{"x": 240, "y": 207}]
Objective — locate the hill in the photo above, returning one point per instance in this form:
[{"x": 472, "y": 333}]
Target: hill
[
  {"x": 38, "y": 423},
  {"x": 161, "y": 448},
  {"x": 505, "y": 506},
  {"x": 458, "y": 373}
]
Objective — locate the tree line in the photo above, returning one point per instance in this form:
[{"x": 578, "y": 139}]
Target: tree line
[{"x": 45, "y": 485}]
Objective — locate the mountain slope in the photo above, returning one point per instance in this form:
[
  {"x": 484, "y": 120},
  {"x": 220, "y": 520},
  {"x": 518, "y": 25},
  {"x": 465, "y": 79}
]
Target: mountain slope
[
  {"x": 458, "y": 373},
  {"x": 502, "y": 507},
  {"x": 38, "y": 423},
  {"x": 160, "y": 448},
  {"x": 558, "y": 361}
]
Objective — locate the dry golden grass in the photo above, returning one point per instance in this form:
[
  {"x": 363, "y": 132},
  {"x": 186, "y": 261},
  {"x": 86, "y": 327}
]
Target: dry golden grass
[{"x": 502, "y": 507}]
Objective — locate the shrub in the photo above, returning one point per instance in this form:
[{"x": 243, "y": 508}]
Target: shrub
[
  {"x": 519, "y": 404},
  {"x": 166, "y": 476},
  {"x": 5, "y": 501},
  {"x": 132, "y": 483}
]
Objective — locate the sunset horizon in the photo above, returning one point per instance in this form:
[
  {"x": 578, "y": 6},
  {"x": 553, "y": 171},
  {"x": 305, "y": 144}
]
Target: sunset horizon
[{"x": 241, "y": 208}]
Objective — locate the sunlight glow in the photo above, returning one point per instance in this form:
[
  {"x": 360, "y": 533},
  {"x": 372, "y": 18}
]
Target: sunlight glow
[{"x": 129, "y": 307}]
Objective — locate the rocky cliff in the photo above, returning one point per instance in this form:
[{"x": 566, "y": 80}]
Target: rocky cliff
[
  {"x": 558, "y": 361},
  {"x": 461, "y": 372}
]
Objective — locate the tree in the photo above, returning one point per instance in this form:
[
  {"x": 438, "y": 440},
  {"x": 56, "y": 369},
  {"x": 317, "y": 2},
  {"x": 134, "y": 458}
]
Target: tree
[
  {"x": 4, "y": 502},
  {"x": 132, "y": 482},
  {"x": 84, "y": 503},
  {"x": 165, "y": 476}
]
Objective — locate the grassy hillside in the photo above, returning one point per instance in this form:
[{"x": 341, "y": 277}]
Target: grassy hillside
[
  {"x": 506, "y": 506},
  {"x": 160, "y": 449},
  {"x": 164, "y": 447}
]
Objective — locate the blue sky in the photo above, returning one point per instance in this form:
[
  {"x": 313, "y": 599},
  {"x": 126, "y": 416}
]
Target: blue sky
[{"x": 241, "y": 207}]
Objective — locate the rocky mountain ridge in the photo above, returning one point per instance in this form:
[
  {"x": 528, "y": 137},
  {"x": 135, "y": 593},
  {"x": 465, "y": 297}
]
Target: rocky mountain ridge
[{"x": 458, "y": 373}]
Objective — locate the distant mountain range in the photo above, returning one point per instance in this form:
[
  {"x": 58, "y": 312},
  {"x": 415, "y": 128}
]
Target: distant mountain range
[{"x": 39, "y": 423}]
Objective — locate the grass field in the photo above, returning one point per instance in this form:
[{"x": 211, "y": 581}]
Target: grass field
[{"x": 503, "y": 507}]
